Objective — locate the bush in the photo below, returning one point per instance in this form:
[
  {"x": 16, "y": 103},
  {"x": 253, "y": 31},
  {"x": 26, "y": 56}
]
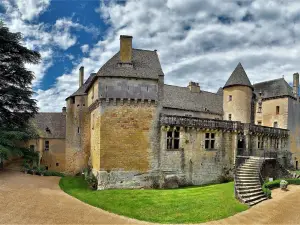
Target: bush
[
  {"x": 53, "y": 173},
  {"x": 268, "y": 186},
  {"x": 41, "y": 170},
  {"x": 92, "y": 181}
]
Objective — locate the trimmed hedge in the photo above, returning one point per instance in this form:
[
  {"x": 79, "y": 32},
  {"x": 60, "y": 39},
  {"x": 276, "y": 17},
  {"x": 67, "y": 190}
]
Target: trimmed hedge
[
  {"x": 268, "y": 186},
  {"x": 53, "y": 173}
]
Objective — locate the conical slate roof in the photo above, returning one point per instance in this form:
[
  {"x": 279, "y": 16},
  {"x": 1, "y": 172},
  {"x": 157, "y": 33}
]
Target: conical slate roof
[{"x": 238, "y": 77}]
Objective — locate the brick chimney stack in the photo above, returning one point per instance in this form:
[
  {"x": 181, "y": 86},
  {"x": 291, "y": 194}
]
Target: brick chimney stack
[
  {"x": 81, "y": 76},
  {"x": 194, "y": 87},
  {"x": 126, "y": 49},
  {"x": 296, "y": 84}
]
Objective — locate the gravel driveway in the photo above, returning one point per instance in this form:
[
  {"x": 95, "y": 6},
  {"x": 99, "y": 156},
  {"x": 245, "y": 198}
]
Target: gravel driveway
[{"x": 28, "y": 199}]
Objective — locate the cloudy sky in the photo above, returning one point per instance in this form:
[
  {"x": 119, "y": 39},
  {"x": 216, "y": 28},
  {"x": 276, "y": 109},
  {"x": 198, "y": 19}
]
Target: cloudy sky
[{"x": 197, "y": 40}]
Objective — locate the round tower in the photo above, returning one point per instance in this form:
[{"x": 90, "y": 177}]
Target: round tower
[{"x": 237, "y": 96}]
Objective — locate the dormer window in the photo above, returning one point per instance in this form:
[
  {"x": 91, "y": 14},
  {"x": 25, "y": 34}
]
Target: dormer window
[{"x": 48, "y": 130}]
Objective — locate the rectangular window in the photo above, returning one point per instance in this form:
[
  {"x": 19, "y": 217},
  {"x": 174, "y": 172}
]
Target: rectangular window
[
  {"x": 276, "y": 143},
  {"x": 173, "y": 138},
  {"x": 277, "y": 110},
  {"x": 210, "y": 140},
  {"x": 259, "y": 122},
  {"x": 93, "y": 121},
  {"x": 72, "y": 100},
  {"x": 230, "y": 98},
  {"x": 229, "y": 116},
  {"x": 31, "y": 147},
  {"x": 93, "y": 91},
  {"x": 275, "y": 124},
  {"x": 57, "y": 164},
  {"x": 78, "y": 130},
  {"x": 46, "y": 145},
  {"x": 260, "y": 143}
]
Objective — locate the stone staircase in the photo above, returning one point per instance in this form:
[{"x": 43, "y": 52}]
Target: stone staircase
[{"x": 247, "y": 182}]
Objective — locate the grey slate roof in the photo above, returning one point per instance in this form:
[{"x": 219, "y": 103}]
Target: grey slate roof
[
  {"x": 56, "y": 122},
  {"x": 82, "y": 90},
  {"x": 273, "y": 88},
  {"x": 182, "y": 98},
  {"x": 145, "y": 65},
  {"x": 220, "y": 91},
  {"x": 238, "y": 77}
]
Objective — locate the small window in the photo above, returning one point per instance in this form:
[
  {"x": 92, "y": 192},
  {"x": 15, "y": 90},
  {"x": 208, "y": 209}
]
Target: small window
[
  {"x": 57, "y": 164},
  {"x": 173, "y": 138},
  {"x": 46, "y": 145},
  {"x": 277, "y": 110},
  {"x": 229, "y": 116},
  {"x": 276, "y": 143},
  {"x": 230, "y": 98},
  {"x": 31, "y": 147},
  {"x": 259, "y": 122},
  {"x": 209, "y": 140},
  {"x": 93, "y": 121},
  {"x": 46, "y": 167},
  {"x": 72, "y": 100},
  {"x": 260, "y": 143},
  {"x": 93, "y": 91},
  {"x": 275, "y": 124}
]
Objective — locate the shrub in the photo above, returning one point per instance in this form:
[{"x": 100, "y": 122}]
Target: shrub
[
  {"x": 53, "y": 173},
  {"x": 92, "y": 181},
  {"x": 268, "y": 186},
  {"x": 41, "y": 170}
]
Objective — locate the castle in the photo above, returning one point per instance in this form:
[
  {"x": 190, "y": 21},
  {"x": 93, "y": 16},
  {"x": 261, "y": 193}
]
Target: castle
[{"x": 135, "y": 131}]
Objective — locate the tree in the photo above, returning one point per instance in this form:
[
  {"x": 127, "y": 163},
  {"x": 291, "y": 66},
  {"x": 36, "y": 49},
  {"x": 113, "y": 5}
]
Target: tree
[{"x": 16, "y": 103}]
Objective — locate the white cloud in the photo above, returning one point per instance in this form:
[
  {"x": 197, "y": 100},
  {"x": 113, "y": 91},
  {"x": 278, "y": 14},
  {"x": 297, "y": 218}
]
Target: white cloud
[
  {"x": 30, "y": 9},
  {"x": 196, "y": 40},
  {"x": 85, "y": 48}
]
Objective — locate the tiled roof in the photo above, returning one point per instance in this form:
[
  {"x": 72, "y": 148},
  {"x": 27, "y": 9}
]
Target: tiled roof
[
  {"x": 145, "y": 65},
  {"x": 83, "y": 88},
  {"x": 273, "y": 88},
  {"x": 55, "y": 122},
  {"x": 182, "y": 98},
  {"x": 238, "y": 77}
]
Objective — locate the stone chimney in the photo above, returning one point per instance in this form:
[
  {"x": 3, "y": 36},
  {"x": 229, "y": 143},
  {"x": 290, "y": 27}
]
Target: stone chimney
[
  {"x": 81, "y": 76},
  {"x": 296, "y": 84},
  {"x": 64, "y": 110},
  {"x": 194, "y": 87},
  {"x": 125, "y": 49}
]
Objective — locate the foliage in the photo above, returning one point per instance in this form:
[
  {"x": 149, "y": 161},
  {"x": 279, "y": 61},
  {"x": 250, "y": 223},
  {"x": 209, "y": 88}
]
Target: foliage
[
  {"x": 53, "y": 173},
  {"x": 268, "y": 186},
  {"x": 183, "y": 205},
  {"x": 16, "y": 104},
  {"x": 92, "y": 181},
  {"x": 41, "y": 170}
]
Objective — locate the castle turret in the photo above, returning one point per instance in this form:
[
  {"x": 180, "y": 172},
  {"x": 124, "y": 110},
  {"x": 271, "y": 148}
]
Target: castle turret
[{"x": 237, "y": 96}]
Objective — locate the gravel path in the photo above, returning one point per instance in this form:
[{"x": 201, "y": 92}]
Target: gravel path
[{"x": 28, "y": 199}]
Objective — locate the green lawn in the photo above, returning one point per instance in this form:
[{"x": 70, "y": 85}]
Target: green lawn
[
  {"x": 185, "y": 205},
  {"x": 297, "y": 171}
]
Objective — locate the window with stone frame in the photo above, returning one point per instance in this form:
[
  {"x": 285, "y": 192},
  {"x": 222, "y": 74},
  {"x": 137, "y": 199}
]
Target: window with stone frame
[
  {"x": 260, "y": 142},
  {"x": 277, "y": 110},
  {"x": 275, "y": 124},
  {"x": 229, "y": 116},
  {"x": 31, "y": 147},
  {"x": 276, "y": 143},
  {"x": 230, "y": 98},
  {"x": 46, "y": 146},
  {"x": 210, "y": 140},
  {"x": 259, "y": 122},
  {"x": 259, "y": 106},
  {"x": 173, "y": 138}
]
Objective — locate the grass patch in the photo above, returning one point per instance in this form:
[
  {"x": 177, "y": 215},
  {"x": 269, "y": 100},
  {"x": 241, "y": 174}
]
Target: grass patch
[
  {"x": 268, "y": 186},
  {"x": 185, "y": 205}
]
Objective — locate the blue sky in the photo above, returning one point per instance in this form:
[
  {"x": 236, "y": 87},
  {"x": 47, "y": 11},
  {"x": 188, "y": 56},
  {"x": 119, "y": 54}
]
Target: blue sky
[{"x": 197, "y": 40}]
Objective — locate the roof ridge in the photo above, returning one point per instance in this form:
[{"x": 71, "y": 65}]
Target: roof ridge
[
  {"x": 140, "y": 49},
  {"x": 269, "y": 81}
]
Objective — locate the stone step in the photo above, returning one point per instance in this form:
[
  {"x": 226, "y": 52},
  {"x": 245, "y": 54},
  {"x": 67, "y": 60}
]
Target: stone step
[
  {"x": 247, "y": 183},
  {"x": 257, "y": 201},
  {"x": 249, "y": 190},
  {"x": 250, "y": 166},
  {"x": 248, "y": 170},
  {"x": 251, "y": 194},
  {"x": 247, "y": 178},
  {"x": 251, "y": 199},
  {"x": 247, "y": 175}
]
